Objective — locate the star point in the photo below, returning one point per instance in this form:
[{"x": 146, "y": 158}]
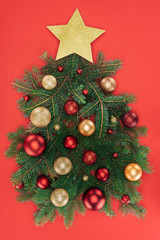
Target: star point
[{"x": 75, "y": 37}]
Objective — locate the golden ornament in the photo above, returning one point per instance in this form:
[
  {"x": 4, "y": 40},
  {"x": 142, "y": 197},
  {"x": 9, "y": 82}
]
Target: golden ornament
[
  {"x": 108, "y": 84},
  {"x": 85, "y": 178},
  {"x": 133, "y": 172},
  {"x": 62, "y": 165},
  {"x": 75, "y": 37},
  {"x": 86, "y": 127},
  {"x": 40, "y": 117},
  {"x": 59, "y": 197},
  {"x": 113, "y": 119},
  {"x": 56, "y": 127},
  {"x": 49, "y": 82}
]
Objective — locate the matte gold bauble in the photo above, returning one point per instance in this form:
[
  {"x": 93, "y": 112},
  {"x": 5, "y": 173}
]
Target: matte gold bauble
[
  {"x": 133, "y": 172},
  {"x": 40, "y": 117},
  {"x": 62, "y": 165},
  {"x": 49, "y": 82},
  {"x": 86, "y": 127},
  {"x": 108, "y": 84},
  {"x": 59, "y": 197},
  {"x": 56, "y": 127},
  {"x": 113, "y": 119},
  {"x": 85, "y": 178}
]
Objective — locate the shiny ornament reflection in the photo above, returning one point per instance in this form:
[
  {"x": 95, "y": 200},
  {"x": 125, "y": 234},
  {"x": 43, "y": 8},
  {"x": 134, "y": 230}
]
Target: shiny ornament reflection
[
  {"x": 62, "y": 165},
  {"x": 86, "y": 127},
  {"x": 133, "y": 172}
]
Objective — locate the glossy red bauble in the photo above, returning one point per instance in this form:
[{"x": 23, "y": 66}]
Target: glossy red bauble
[
  {"x": 60, "y": 68},
  {"x": 26, "y": 97},
  {"x": 85, "y": 92},
  {"x": 71, "y": 107},
  {"x": 130, "y": 119},
  {"x": 115, "y": 154},
  {"x": 110, "y": 131},
  {"x": 70, "y": 142},
  {"x": 19, "y": 185},
  {"x": 79, "y": 71},
  {"x": 102, "y": 174},
  {"x": 43, "y": 182},
  {"x": 94, "y": 199},
  {"x": 89, "y": 157},
  {"x": 125, "y": 199},
  {"x": 34, "y": 145}
]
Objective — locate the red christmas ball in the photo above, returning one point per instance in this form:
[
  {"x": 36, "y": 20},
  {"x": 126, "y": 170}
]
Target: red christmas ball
[
  {"x": 110, "y": 131},
  {"x": 70, "y": 142},
  {"x": 125, "y": 199},
  {"x": 89, "y": 157},
  {"x": 115, "y": 154},
  {"x": 19, "y": 185},
  {"x": 71, "y": 107},
  {"x": 85, "y": 92},
  {"x": 94, "y": 199},
  {"x": 79, "y": 71},
  {"x": 60, "y": 68},
  {"x": 43, "y": 182},
  {"x": 26, "y": 97},
  {"x": 102, "y": 174},
  {"x": 34, "y": 145},
  {"x": 130, "y": 119}
]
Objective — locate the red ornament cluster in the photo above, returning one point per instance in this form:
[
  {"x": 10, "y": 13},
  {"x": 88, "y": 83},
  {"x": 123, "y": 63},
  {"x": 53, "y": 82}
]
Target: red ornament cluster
[
  {"x": 60, "y": 68},
  {"x": 71, "y": 107},
  {"x": 130, "y": 119},
  {"x": 43, "y": 182},
  {"x": 70, "y": 142},
  {"x": 125, "y": 199},
  {"x": 89, "y": 157},
  {"x": 102, "y": 174},
  {"x": 34, "y": 145},
  {"x": 94, "y": 199}
]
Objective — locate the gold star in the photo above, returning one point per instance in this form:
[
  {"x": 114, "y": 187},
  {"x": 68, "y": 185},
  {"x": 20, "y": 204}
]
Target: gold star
[{"x": 75, "y": 37}]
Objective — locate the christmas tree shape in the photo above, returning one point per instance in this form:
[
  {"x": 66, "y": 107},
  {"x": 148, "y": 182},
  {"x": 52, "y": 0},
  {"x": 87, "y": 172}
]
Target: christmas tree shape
[{"x": 81, "y": 147}]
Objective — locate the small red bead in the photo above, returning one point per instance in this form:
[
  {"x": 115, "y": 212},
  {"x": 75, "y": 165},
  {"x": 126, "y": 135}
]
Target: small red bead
[
  {"x": 79, "y": 71},
  {"x": 125, "y": 199},
  {"x": 26, "y": 97},
  {"x": 70, "y": 142},
  {"x": 110, "y": 131},
  {"x": 115, "y": 155},
  {"x": 85, "y": 92},
  {"x": 60, "y": 68},
  {"x": 19, "y": 185},
  {"x": 43, "y": 182},
  {"x": 102, "y": 174}
]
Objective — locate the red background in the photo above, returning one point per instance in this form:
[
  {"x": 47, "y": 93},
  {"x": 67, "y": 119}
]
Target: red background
[{"x": 131, "y": 35}]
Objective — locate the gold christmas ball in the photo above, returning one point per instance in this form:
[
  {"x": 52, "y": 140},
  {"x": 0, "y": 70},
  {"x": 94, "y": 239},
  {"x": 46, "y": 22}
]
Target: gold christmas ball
[
  {"x": 113, "y": 119},
  {"x": 59, "y": 197},
  {"x": 40, "y": 117},
  {"x": 85, "y": 178},
  {"x": 108, "y": 84},
  {"x": 56, "y": 127},
  {"x": 86, "y": 127},
  {"x": 49, "y": 82},
  {"x": 133, "y": 172},
  {"x": 62, "y": 165}
]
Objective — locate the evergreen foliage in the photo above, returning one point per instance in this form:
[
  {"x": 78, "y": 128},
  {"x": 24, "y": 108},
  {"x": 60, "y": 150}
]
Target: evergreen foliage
[{"x": 124, "y": 140}]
